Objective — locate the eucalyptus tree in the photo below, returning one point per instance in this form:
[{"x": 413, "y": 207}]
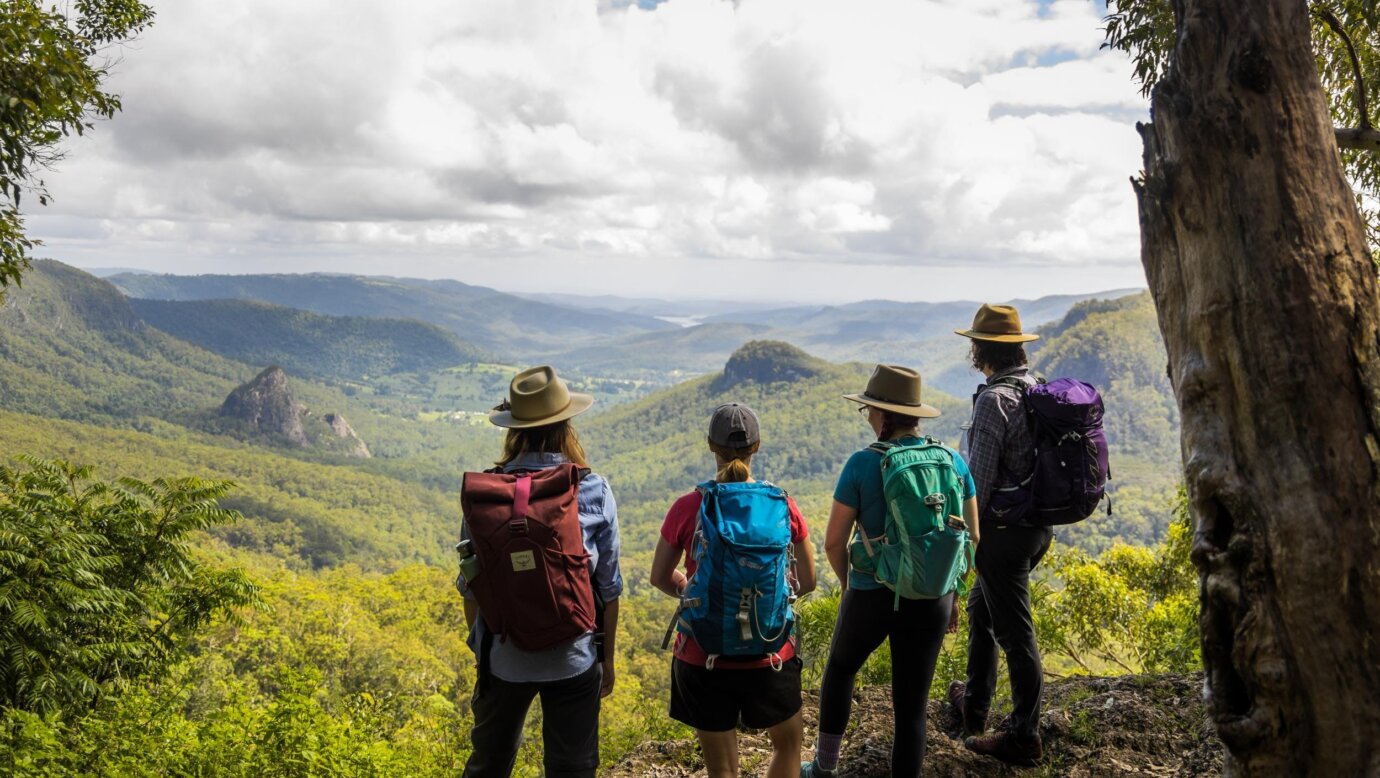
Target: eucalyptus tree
[{"x": 1259, "y": 263}]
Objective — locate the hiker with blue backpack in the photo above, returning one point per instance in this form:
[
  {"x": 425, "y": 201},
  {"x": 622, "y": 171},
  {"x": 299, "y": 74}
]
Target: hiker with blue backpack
[
  {"x": 747, "y": 557},
  {"x": 1039, "y": 458},
  {"x": 900, "y": 538},
  {"x": 539, "y": 571}
]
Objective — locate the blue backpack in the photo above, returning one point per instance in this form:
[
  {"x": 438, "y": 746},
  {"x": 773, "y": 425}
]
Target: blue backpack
[{"x": 739, "y": 601}]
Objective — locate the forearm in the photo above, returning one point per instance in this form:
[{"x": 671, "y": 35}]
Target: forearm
[
  {"x": 838, "y": 562},
  {"x": 610, "y": 632},
  {"x": 805, "y": 576},
  {"x": 673, "y": 584},
  {"x": 471, "y": 613}
]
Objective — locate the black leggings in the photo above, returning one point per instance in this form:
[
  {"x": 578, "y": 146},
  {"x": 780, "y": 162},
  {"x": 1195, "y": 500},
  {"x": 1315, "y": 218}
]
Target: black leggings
[{"x": 866, "y": 618}]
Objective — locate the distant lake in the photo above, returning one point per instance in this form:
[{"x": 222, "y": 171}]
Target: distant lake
[{"x": 682, "y": 321}]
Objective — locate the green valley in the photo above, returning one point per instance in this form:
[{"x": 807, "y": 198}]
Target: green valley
[{"x": 355, "y": 651}]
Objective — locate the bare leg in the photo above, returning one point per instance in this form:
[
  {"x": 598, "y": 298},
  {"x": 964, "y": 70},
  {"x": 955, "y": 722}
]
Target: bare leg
[
  {"x": 721, "y": 753},
  {"x": 787, "y": 738}
]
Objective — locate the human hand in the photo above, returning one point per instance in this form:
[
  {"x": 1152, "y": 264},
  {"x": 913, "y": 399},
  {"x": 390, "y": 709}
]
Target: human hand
[
  {"x": 606, "y": 687},
  {"x": 953, "y": 618}
]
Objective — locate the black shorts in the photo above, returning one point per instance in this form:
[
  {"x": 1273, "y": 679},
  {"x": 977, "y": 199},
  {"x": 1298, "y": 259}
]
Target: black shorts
[{"x": 716, "y": 700}]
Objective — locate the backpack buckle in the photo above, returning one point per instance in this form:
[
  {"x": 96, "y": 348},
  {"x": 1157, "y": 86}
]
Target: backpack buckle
[{"x": 518, "y": 526}]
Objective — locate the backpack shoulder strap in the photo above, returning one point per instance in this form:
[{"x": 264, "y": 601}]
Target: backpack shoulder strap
[
  {"x": 1011, "y": 381},
  {"x": 882, "y": 447}
]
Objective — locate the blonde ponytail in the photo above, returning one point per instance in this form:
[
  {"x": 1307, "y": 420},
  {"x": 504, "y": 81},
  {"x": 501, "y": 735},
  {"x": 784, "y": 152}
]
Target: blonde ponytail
[{"x": 737, "y": 463}]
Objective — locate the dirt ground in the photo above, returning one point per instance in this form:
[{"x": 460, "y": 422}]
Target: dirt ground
[{"x": 1125, "y": 726}]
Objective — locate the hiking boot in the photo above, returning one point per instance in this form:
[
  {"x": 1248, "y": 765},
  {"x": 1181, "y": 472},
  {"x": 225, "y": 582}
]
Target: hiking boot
[
  {"x": 1008, "y": 747},
  {"x": 965, "y": 724},
  {"x": 811, "y": 769}
]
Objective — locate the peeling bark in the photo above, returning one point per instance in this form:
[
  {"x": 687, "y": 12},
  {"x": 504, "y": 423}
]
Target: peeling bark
[{"x": 1267, "y": 298}]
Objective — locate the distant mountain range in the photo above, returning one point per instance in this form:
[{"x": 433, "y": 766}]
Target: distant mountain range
[
  {"x": 72, "y": 347},
  {"x": 490, "y": 319}
]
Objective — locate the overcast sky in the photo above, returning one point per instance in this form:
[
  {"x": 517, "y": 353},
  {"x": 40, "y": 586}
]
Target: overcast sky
[{"x": 808, "y": 149}]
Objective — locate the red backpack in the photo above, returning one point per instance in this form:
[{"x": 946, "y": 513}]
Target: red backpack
[{"x": 534, "y": 583}]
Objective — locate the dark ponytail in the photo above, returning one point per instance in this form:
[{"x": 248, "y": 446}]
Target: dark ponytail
[
  {"x": 737, "y": 466},
  {"x": 893, "y": 423}
]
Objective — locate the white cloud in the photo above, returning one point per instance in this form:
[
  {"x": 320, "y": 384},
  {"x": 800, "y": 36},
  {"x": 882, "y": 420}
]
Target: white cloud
[{"x": 891, "y": 132}]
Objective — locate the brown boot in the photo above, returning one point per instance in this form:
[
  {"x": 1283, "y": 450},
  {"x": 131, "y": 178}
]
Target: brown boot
[
  {"x": 965, "y": 723},
  {"x": 1008, "y": 747}
]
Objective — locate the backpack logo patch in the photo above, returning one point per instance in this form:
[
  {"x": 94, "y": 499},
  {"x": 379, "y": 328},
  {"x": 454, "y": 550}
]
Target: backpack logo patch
[{"x": 523, "y": 560}]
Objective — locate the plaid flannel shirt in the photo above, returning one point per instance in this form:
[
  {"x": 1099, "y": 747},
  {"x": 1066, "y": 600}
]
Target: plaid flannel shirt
[{"x": 997, "y": 445}]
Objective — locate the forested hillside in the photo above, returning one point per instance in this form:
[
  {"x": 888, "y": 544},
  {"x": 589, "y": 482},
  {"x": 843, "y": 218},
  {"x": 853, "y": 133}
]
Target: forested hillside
[
  {"x": 350, "y": 348},
  {"x": 1116, "y": 346},
  {"x": 654, "y": 449}
]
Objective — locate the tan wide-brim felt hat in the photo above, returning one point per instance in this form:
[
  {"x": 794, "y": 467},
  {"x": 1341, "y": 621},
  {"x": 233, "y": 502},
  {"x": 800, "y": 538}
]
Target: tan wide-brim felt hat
[
  {"x": 896, "y": 389},
  {"x": 999, "y": 324},
  {"x": 538, "y": 397}
]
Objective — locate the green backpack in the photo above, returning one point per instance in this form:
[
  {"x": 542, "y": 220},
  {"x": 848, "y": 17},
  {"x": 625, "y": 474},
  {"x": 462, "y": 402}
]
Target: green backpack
[{"x": 925, "y": 551}]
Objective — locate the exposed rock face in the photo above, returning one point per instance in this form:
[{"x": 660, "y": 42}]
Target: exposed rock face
[
  {"x": 267, "y": 405},
  {"x": 766, "y": 362},
  {"x": 354, "y": 446}
]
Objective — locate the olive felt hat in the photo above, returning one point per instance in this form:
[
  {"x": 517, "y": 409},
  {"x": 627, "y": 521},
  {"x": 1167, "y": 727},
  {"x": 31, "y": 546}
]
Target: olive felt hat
[
  {"x": 997, "y": 323},
  {"x": 896, "y": 389},
  {"x": 538, "y": 397}
]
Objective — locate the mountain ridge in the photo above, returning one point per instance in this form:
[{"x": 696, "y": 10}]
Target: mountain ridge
[
  {"x": 486, "y": 317},
  {"x": 325, "y": 346}
]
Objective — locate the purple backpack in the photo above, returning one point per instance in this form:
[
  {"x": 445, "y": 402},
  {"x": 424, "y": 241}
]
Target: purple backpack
[{"x": 1071, "y": 468}]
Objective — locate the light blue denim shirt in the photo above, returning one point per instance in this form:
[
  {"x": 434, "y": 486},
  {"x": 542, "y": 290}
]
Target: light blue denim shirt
[{"x": 599, "y": 521}]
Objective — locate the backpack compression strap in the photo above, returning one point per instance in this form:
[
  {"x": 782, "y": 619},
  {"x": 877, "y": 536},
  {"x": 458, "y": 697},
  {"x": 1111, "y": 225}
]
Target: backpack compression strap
[
  {"x": 522, "y": 499},
  {"x": 706, "y": 491}
]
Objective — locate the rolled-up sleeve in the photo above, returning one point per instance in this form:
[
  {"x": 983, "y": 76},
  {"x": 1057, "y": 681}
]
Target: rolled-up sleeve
[
  {"x": 608, "y": 578},
  {"x": 984, "y": 446},
  {"x": 460, "y": 582}
]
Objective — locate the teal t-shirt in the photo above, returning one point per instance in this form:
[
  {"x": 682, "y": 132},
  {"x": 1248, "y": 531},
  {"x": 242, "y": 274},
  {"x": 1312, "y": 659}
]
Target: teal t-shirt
[{"x": 860, "y": 488}]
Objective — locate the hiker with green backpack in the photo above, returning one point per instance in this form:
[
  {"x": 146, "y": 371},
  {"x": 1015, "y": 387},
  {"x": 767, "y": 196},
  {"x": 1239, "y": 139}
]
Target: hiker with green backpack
[
  {"x": 900, "y": 539},
  {"x": 747, "y": 557}
]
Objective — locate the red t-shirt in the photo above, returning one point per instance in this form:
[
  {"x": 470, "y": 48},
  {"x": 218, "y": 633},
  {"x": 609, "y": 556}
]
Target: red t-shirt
[{"x": 679, "y": 530}]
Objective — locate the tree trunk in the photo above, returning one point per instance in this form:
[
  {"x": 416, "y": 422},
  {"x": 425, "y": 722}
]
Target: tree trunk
[{"x": 1267, "y": 299}]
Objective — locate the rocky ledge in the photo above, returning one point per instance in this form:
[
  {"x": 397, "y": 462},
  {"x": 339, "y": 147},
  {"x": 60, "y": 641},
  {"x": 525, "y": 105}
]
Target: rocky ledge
[{"x": 1124, "y": 726}]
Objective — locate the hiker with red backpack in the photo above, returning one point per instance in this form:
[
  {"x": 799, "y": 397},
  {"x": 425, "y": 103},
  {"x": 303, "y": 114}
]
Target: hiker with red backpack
[
  {"x": 539, "y": 571},
  {"x": 1039, "y": 458},
  {"x": 747, "y": 557},
  {"x": 900, "y": 541}
]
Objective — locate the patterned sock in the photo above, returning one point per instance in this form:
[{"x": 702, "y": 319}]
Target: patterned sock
[{"x": 827, "y": 750}]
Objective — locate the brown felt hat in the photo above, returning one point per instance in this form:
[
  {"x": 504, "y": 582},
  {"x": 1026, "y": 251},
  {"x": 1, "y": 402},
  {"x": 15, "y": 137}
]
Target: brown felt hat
[
  {"x": 537, "y": 397},
  {"x": 896, "y": 389},
  {"x": 997, "y": 323}
]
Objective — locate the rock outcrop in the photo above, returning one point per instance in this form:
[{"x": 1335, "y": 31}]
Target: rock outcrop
[
  {"x": 767, "y": 362},
  {"x": 266, "y": 405},
  {"x": 1126, "y": 726},
  {"x": 352, "y": 445}
]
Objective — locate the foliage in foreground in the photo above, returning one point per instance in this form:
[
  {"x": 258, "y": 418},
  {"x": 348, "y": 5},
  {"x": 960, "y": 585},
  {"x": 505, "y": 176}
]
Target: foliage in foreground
[
  {"x": 52, "y": 67},
  {"x": 98, "y": 586},
  {"x": 1144, "y": 30}
]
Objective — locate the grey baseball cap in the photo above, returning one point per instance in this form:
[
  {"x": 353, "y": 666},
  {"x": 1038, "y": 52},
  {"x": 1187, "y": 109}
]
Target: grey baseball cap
[{"x": 733, "y": 425}]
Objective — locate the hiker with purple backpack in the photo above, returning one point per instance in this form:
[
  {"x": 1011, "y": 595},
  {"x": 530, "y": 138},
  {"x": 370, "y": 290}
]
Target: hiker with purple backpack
[{"x": 1039, "y": 458}]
